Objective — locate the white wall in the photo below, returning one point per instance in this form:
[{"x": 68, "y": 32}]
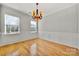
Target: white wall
[
  {"x": 61, "y": 27},
  {"x": 24, "y": 26}
]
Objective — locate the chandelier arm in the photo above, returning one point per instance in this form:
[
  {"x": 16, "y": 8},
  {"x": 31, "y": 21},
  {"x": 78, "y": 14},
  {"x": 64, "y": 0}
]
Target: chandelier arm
[{"x": 36, "y": 14}]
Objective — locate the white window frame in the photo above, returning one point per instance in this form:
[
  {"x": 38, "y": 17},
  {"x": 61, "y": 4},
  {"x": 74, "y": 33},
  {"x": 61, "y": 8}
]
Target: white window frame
[{"x": 5, "y": 24}]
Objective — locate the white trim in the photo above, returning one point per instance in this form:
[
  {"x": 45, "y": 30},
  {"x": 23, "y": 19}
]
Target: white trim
[
  {"x": 33, "y": 31},
  {"x": 12, "y": 33}
]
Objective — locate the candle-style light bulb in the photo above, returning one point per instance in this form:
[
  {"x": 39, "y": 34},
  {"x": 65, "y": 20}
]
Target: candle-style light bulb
[{"x": 33, "y": 13}]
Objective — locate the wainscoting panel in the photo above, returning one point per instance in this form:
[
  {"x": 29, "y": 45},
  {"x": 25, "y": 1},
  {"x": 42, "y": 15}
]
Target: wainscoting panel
[{"x": 66, "y": 38}]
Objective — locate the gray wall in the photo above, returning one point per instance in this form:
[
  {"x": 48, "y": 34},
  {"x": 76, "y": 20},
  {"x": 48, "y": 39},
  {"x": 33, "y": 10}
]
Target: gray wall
[
  {"x": 0, "y": 22},
  {"x": 0, "y": 18},
  {"x": 61, "y": 27},
  {"x": 78, "y": 18},
  {"x": 61, "y": 21},
  {"x": 24, "y": 26}
]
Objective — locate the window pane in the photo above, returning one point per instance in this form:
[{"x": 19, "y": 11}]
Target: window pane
[
  {"x": 11, "y": 23},
  {"x": 33, "y": 25}
]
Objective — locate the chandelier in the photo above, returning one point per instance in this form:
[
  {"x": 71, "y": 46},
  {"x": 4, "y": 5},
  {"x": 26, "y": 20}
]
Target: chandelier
[{"x": 36, "y": 14}]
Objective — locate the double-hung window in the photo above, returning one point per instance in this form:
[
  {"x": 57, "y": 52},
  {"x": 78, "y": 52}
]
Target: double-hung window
[{"x": 12, "y": 24}]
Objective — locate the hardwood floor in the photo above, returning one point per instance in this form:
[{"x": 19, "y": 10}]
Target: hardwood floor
[
  {"x": 54, "y": 49},
  {"x": 20, "y": 48},
  {"x": 43, "y": 48}
]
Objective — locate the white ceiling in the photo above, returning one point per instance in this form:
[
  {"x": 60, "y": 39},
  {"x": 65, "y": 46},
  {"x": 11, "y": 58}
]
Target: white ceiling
[{"x": 48, "y": 8}]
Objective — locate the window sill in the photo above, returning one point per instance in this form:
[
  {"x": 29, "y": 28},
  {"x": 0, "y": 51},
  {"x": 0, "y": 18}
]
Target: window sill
[
  {"x": 33, "y": 31},
  {"x": 11, "y": 33}
]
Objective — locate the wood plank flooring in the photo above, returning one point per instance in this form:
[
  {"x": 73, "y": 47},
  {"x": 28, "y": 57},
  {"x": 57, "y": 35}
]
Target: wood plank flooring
[
  {"x": 54, "y": 49},
  {"x": 44, "y": 48},
  {"x": 20, "y": 48}
]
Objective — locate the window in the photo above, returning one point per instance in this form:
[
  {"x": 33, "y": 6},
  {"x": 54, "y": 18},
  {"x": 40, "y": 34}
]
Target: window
[
  {"x": 11, "y": 24},
  {"x": 33, "y": 25}
]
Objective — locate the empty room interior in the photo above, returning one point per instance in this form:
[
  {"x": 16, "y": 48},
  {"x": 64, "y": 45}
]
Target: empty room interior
[{"x": 39, "y": 29}]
